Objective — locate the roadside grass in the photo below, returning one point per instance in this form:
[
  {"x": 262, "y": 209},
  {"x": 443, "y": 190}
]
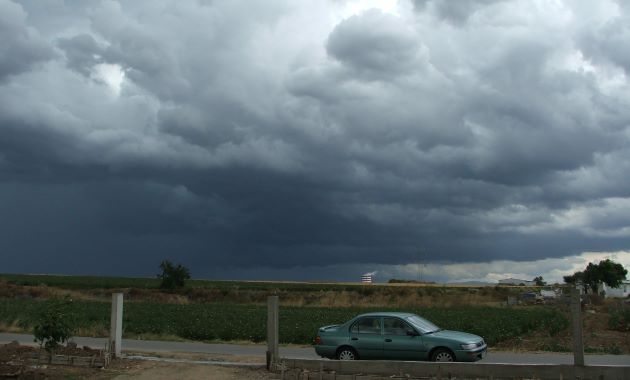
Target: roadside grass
[
  {"x": 610, "y": 350},
  {"x": 12, "y": 327},
  {"x": 291, "y": 293},
  {"x": 555, "y": 347}
]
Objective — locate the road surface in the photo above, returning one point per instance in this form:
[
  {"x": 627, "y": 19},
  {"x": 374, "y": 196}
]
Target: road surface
[{"x": 298, "y": 352}]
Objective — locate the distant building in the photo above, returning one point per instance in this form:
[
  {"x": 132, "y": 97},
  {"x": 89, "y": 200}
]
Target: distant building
[
  {"x": 622, "y": 291},
  {"x": 547, "y": 294},
  {"x": 366, "y": 278},
  {"x": 516, "y": 281}
]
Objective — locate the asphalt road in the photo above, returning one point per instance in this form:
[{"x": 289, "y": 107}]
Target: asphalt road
[{"x": 308, "y": 352}]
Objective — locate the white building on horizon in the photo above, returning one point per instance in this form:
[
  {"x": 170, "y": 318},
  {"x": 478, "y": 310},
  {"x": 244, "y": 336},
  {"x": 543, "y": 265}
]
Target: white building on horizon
[
  {"x": 622, "y": 291},
  {"x": 516, "y": 281}
]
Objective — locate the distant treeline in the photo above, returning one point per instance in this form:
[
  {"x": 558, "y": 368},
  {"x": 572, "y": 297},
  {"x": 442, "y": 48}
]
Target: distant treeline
[
  {"x": 395, "y": 294},
  {"x": 104, "y": 282},
  {"x": 400, "y": 281}
]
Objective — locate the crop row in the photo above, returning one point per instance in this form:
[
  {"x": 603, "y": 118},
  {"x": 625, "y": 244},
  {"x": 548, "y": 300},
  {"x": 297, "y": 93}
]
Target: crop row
[{"x": 213, "y": 321}]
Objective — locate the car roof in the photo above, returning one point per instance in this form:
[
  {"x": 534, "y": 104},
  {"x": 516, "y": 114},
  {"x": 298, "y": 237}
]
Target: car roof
[{"x": 386, "y": 314}]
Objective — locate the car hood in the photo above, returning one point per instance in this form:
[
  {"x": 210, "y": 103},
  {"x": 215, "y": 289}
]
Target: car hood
[{"x": 457, "y": 336}]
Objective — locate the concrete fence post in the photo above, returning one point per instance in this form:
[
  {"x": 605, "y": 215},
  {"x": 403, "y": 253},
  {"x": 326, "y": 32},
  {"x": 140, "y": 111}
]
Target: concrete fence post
[
  {"x": 576, "y": 323},
  {"x": 272, "y": 331},
  {"x": 115, "y": 330}
]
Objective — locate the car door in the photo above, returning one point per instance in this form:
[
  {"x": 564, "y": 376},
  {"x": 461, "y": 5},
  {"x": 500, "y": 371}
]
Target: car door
[
  {"x": 401, "y": 341},
  {"x": 367, "y": 338}
]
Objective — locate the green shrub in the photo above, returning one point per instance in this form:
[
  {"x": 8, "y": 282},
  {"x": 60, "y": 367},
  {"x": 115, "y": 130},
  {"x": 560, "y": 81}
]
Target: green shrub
[
  {"x": 619, "y": 319},
  {"x": 173, "y": 276},
  {"x": 54, "y": 324}
]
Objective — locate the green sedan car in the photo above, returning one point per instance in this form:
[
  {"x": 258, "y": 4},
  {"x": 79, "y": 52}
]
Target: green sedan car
[{"x": 397, "y": 336}]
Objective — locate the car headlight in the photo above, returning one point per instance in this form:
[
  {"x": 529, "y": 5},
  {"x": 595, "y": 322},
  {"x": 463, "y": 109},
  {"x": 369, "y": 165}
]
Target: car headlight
[{"x": 469, "y": 346}]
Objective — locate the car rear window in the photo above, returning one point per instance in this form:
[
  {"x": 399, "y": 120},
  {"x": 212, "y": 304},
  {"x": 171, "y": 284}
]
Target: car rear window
[{"x": 367, "y": 325}]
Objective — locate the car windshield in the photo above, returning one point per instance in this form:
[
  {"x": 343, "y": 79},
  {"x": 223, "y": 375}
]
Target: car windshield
[{"x": 422, "y": 324}]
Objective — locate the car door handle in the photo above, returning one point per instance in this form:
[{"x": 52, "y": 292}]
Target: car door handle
[
  {"x": 355, "y": 338},
  {"x": 388, "y": 340}
]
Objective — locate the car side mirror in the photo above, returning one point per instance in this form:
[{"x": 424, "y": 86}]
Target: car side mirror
[{"x": 412, "y": 333}]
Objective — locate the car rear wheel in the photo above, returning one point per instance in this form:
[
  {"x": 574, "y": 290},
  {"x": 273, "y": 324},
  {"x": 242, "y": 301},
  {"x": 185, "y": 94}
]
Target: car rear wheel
[
  {"x": 442, "y": 355},
  {"x": 347, "y": 353}
]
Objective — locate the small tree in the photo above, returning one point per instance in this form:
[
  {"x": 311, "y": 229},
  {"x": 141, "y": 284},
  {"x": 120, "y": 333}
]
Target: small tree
[
  {"x": 540, "y": 281},
  {"x": 172, "y": 276},
  {"x": 54, "y": 324}
]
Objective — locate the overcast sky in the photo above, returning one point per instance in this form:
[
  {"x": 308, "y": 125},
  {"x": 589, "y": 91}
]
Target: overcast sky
[{"x": 314, "y": 140}]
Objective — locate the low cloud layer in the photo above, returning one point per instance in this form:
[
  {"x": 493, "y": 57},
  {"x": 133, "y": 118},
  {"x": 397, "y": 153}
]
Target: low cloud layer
[{"x": 299, "y": 136}]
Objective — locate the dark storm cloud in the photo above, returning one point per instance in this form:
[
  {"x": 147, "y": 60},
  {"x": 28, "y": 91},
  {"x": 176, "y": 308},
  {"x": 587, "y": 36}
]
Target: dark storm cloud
[
  {"x": 228, "y": 135},
  {"x": 82, "y": 52},
  {"x": 456, "y": 12},
  {"x": 375, "y": 42},
  {"x": 603, "y": 43},
  {"x": 21, "y": 46}
]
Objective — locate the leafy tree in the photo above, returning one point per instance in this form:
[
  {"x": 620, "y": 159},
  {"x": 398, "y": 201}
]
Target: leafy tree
[
  {"x": 172, "y": 276},
  {"x": 54, "y": 325},
  {"x": 607, "y": 272},
  {"x": 612, "y": 273},
  {"x": 540, "y": 281},
  {"x": 575, "y": 279},
  {"x": 591, "y": 277}
]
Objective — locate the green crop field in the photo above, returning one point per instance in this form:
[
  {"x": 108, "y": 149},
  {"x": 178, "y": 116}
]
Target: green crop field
[{"x": 220, "y": 321}]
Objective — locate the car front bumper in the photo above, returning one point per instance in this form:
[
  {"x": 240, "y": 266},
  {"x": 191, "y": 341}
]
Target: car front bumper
[{"x": 472, "y": 355}]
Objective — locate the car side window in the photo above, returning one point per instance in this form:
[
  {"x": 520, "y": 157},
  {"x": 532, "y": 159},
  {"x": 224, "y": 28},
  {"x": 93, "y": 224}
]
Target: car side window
[
  {"x": 367, "y": 325},
  {"x": 395, "y": 326}
]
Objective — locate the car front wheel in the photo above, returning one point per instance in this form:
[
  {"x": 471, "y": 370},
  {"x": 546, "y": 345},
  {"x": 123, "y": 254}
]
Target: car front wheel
[
  {"x": 347, "y": 353},
  {"x": 442, "y": 355}
]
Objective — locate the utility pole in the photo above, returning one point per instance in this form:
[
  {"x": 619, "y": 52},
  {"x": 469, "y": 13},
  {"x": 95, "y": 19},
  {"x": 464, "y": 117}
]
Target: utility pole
[
  {"x": 576, "y": 327},
  {"x": 272, "y": 331}
]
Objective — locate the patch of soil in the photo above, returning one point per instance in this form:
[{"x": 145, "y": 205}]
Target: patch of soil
[
  {"x": 168, "y": 371},
  {"x": 13, "y": 352},
  {"x": 191, "y": 356},
  {"x": 73, "y": 350},
  {"x": 15, "y": 362}
]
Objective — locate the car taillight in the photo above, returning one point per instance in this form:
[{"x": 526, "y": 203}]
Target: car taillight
[{"x": 317, "y": 340}]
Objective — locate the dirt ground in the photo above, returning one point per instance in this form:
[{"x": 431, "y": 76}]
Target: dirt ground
[
  {"x": 15, "y": 364},
  {"x": 165, "y": 371}
]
